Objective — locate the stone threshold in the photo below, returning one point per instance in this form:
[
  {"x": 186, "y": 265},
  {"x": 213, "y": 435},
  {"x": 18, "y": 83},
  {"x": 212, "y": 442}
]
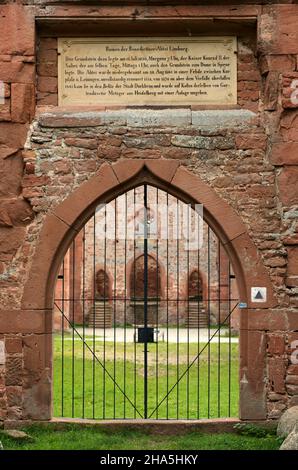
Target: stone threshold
[{"x": 154, "y": 426}]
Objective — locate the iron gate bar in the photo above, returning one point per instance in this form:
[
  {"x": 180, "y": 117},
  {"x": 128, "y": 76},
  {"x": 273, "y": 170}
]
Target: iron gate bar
[
  {"x": 62, "y": 339},
  {"x": 157, "y": 305},
  {"x": 83, "y": 298},
  {"x": 104, "y": 316},
  {"x": 96, "y": 358},
  {"x": 134, "y": 296},
  {"x": 73, "y": 304},
  {"x": 167, "y": 251},
  {"x": 94, "y": 290},
  {"x": 145, "y": 302},
  {"x": 114, "y": 296},
  {"x": 219, "y": 321},
  {"x": 178, "y": 337},
  {"x": 209, "y": 318},
  {"x": 194, "y": 360},
  {"x": 198, "y": 350},
  {"x": 125, "y": 319}
]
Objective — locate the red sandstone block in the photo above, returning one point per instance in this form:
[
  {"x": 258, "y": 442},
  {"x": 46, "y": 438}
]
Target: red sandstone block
[
  {"x": 276, "y": 344},
  {"x": 285, "y": 36},
  {"x": 84, "y": 143},
  {"x": 5, "y": 111},
  {"x": 292, "y": 267},
  {"x": 276, "y": 374},
  {"x": 14, "y": 395},
  {"x": 49, "y": 99},
  {"x": 47, "y": 69},
  {"x": 45, "y": 55},
  {"x": 6, "y": 90},
  {"x": 289, "y": 126},
  {"x": 278, "y": 63},
  {"x": 22, "y": 102},
  {"x": 48, "y": 43},
  {"x": 251, "y": 141},
  {"x": 34, "y": 181},
  {"x": 14, "y": 366},
  {"x": 47, "y": 84},
  {"x": 13, "y": 345},
  {"x": 109, "y": 152},
  {"x": 62, "y": 167},
  {"x": 11, "y": 170},
  {"x": 140, "y": 153},
  {"x": 284, "y": 153},
  {"x": 250, "y": 75},
  {"x": 17, "y": 30},
  {"x": 271, "y": 91},
  {"x": 17, "y": 72},
  {"x": 293, "y": 369},
  {"x": 287, "y": 183}
]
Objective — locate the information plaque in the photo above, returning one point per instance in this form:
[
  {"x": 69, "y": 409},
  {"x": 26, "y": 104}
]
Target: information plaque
[{"x": 147, "y": 71}]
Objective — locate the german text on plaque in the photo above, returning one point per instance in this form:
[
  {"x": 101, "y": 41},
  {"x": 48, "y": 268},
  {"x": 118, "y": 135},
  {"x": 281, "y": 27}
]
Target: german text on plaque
[{"x": 148, "y": 71}]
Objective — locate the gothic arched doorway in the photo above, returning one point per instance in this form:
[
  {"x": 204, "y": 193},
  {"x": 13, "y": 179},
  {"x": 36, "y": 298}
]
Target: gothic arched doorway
[{"x": 146, "y": 352}]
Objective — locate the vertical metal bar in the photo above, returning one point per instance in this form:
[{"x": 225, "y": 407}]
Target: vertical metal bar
[
  {"x": 145, "y": 303},
  {"x": 94, "y": 315},
  {"x": 209, "y": 317},
  {"x": 157, "y": 304},
  {"x": 84, "y": 319},
  {"x": 230, "y": 346},
  {"x": 199, "y": 297},
  {"x": 106, "y": 297},
  {"x": 115, "y": 305},
  {"x": 219, "y": 330},
  {"x": 62, "y": 339},
  {"x": 73, "y": 320},
  {"x": 167, "y": 306},
  {"x": 134, "y": 302},
  {"x": 188, "y": 351},
  {"x": 125, "y": 305},
  {"x": 178, "y": 299}
]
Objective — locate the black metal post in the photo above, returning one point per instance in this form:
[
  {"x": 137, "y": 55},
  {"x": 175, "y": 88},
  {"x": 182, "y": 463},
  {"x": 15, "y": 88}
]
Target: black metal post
[{"x": 145, "y": 303}]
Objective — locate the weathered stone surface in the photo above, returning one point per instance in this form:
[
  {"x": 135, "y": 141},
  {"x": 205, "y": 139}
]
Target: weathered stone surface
[
  {"x": 276, "y": 374},
  {"x": 291, "y": 441},
  {"x": 207, "y": 143},
  {"x": 250, "y": 141},
  {"x": 15, "y": 212},
  {"x": 14, "y": 368},
  {"x": 10, "y": 240},
  {"x": 17, "y": 435},
  {"x": 287, "y": 422},
  {"x": 276, "y": 344},
  {"x": 22, "y": 102},
  {"x": 11, "y": 169},
  {"x": 287, "y": 182},
  {"x": 13, "y": 345},
  {"x": 271, "y": 91},
  {"x": 17, "y": 30},
  {"x": 214, "y": 119},
  {"x": 284, "y": 153}
]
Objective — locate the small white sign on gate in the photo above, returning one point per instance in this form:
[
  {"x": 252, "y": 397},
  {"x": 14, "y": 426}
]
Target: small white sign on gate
[{"x": 259, "y": 294}]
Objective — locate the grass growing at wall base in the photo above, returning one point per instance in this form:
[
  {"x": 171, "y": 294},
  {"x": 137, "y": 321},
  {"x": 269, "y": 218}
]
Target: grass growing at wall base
[
  {"x": 112, "y": 384},
  {"x": 76, "y": 437}
]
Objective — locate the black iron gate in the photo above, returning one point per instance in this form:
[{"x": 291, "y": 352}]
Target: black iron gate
[{"x": 146, "y": 315}]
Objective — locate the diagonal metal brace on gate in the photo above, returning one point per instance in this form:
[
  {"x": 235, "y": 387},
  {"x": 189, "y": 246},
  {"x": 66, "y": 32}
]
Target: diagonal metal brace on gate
[
  {"x": 99, "y": 361},
  {"x": 193, "y": 362}
]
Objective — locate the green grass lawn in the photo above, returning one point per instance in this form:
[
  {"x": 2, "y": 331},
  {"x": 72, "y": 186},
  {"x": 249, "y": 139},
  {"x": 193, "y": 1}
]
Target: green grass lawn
[
  {"x": 75, "y": 437},
  {"x": 108, "y": 387}
]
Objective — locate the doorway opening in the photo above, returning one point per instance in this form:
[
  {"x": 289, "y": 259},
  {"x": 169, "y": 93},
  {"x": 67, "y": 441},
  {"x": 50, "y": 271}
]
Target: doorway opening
[{"x": 146, "y": 315}]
